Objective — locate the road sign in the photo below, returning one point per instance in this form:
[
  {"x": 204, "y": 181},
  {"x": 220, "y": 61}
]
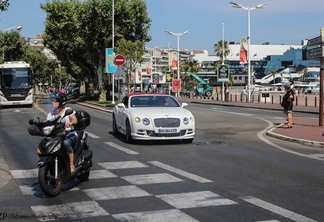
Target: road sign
[
  {"x": 315, "y": 53},
  {"x": 316, "y": 41},
  {"x": 169, "y": 77},
  {"x": 223, "y": 72},
  {"x": 119, "y": 60}
]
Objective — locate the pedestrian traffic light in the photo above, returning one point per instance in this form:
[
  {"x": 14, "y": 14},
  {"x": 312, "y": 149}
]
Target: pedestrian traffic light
[{"x": 223, "y": 72}]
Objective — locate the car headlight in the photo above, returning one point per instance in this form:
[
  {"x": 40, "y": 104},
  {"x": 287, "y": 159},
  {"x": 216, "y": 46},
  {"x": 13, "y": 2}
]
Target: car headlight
[
  {"x": 47, "y": 130},
  {"x": 146, "y": 121},
  {"x": 187, "y": 120}
]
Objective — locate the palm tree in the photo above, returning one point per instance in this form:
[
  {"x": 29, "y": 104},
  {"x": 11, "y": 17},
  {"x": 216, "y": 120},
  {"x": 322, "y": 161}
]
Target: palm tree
[
  {"x": 273, "y": 72},
  {"x": 219, "y": 49}
]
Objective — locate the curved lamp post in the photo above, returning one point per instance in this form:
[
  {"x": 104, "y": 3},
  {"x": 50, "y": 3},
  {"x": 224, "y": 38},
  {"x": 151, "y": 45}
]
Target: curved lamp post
[
  {"x": 248, "y": 8},
  {"x": 178, "y": 36},
  {"x": 18, "y": 28}
]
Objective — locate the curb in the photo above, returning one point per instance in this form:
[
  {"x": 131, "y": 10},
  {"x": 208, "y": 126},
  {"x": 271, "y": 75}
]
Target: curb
[{"x": 295, "y": 140}]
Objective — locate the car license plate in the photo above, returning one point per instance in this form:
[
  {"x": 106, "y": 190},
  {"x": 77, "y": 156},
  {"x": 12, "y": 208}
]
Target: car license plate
[
  {"x": 167, "y": 130},
  {"x": 16, "y": 103}
]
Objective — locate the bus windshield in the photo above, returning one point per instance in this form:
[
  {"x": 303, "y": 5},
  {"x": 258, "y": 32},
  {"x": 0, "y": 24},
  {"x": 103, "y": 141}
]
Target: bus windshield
[{"x": 15, "y": 78}]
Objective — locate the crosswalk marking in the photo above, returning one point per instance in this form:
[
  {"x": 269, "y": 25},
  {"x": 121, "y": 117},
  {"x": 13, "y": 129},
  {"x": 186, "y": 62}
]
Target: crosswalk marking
[
  {"x": 151, "y": 179},
  {"x": 21, "y": 174},
  {"x": 114, "y": 145},
  {"x": 110, "y": 193},
  {"x": 100, "y": 174},
  {"x": 180, "y": 172},
  {"x": 72, "y": 210},
  {"x": 195, "y": 199},
  {"x": 278, "y": 210},
  {"x": 155, "y": 216},
  {"x": 122, "y": 165}
]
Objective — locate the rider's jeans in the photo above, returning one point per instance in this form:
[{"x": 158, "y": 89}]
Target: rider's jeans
[{"x": 69, "y": 141}]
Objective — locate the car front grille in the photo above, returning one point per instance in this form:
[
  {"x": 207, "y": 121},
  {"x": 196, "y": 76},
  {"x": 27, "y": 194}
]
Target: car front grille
[{"x": 167, "y": 122}]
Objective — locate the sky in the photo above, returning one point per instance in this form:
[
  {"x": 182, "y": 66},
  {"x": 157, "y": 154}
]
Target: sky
[{"x": 280, "y": 22}]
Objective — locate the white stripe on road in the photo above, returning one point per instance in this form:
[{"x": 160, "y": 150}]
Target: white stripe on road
[
  {"x": 195, "y": 199},
  {"x": 113, "y": 193},
  {"x": 277, "y": 210},
  {"x": 92, "y": 135},
  {"x": 180, "y": 172},
  {"x": 154, "y": 216},
  {"x": 73, "y": 210},
  {"x": 118, "y": 147},
  {"x": 20, "y": 174},
  {"x": 151, "y": 179}
]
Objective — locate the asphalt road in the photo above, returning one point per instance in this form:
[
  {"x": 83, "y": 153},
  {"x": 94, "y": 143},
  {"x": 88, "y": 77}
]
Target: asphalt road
[{"x": 231, "y": 172}]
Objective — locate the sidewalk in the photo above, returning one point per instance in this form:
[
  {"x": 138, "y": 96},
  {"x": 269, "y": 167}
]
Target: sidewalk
[{"x": 305, "y": 130}]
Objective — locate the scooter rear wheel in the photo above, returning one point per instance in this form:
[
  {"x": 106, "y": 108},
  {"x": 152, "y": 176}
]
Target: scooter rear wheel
[{"x": 48, "y": 183}]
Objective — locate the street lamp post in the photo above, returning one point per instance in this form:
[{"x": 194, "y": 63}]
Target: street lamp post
[
  {"x": 18, "y": 28},
  {"x": 248, "y": 8},
  {"x": 178, "y": 36}
]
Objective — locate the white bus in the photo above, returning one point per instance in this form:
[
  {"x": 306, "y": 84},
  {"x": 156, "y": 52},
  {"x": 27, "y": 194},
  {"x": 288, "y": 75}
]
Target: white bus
[{"x": 16, "y": 84}]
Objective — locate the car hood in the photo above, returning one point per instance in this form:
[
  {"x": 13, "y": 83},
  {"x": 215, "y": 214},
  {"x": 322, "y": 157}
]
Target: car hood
[{"x": 162, "y": 112}]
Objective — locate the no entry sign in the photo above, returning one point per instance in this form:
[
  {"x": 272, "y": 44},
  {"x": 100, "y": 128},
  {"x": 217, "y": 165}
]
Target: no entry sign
[{"x": 119, "y": 60}]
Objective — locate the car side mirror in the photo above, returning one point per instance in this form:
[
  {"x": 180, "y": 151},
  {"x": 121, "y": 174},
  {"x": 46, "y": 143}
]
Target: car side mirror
[{"x": 184, "y": 104}]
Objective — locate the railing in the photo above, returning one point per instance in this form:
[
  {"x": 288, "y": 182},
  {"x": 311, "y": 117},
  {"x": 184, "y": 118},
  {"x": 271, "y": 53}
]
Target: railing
[{"x": 271, "y": 97}]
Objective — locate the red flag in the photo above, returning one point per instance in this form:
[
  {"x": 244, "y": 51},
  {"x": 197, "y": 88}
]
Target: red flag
[
  {"x": 243, "y": 51},
  {"x": 148, "y": 70}
]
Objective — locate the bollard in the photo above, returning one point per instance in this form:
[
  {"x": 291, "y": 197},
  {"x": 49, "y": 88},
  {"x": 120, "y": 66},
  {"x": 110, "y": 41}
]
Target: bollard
[
  {"x": 305, "y": 100},
  {"x": 315, "y": 101}
]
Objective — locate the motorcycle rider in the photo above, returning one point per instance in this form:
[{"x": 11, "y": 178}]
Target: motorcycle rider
[{"x": 59, "y": 103}]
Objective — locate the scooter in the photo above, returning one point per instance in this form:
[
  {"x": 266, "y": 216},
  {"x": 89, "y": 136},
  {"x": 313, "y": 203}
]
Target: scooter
[{"x": 54, "y": 168}]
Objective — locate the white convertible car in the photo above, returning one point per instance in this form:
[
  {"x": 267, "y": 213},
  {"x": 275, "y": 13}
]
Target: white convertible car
[{"x": 153, "y": 117}]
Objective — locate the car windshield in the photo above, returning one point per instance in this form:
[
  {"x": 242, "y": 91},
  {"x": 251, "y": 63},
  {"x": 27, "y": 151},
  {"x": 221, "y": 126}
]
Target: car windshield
[{"x": 153, "y": 101}]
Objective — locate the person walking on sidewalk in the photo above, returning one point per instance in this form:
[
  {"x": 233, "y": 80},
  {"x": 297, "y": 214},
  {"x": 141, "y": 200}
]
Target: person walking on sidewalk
[{"x": 287, "y": 104}]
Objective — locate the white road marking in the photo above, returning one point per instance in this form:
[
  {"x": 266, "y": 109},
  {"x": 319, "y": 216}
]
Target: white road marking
[
  {"x": 20, "y": 174},
  {"x": 319, "y": 155},
  {"x": 72, "y": 210},
  {"x": 277, "y": 210},
  {"x": 270, "y": 126},
  {"x": 111, "y": 193},
  {"x": 180, "y": 172},
  {"x": 100, "y": 174},
  {"x": 195, "y": 199},
  {"x": 260, "y": 135},
  {"x": 155, "y": 216},
  {"x": 114, "y": 145},
  {"x": 122, "y": 165},
  {"x": 92, "y": 135},
  {"x": 151, "y": 179}
]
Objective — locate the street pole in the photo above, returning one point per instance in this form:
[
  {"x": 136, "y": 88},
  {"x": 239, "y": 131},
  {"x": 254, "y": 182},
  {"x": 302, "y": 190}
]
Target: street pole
[
  {"x": 223, "y": 86},
  {"x": 113, "y": 45},
  {"x": 260, "y": 6},
  {"x": 178, "y": 38},
  {"x": 249, "y": 58}
]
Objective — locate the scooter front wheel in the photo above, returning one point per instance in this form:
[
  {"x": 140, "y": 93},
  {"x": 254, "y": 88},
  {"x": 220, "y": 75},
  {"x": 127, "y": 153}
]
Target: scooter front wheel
[{"x": 48, "y": 183}]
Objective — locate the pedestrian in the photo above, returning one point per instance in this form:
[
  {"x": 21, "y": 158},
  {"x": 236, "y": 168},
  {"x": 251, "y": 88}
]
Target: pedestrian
[
  {"x": 287, "y": 104},
  {"x": 244, "y": 94}
]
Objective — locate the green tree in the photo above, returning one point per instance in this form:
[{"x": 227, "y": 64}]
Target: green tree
[
  {"x": 133, "y": 53},
  {"x": 4, "y": 5},
  {"x": 12, "y": 46},
  {"x": 79, "y": 31},
  {"x": 218, "y": 47}
]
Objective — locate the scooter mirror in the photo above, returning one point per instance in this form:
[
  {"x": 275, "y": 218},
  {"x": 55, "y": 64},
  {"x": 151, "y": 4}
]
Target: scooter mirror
[{"x": 31, "y": 122}]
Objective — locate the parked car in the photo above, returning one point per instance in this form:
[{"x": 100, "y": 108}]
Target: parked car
[{"x": 153, "y": 117}]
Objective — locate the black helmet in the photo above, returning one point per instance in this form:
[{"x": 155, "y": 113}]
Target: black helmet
[{"x": 61, "y": 98}]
